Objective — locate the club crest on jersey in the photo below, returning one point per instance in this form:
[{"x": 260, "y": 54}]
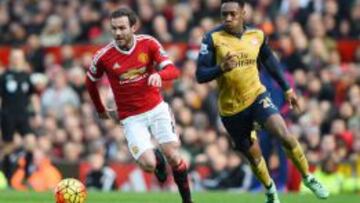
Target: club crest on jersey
[
  {"x": 254, "y": 41},
  {"x": 143, "y": 58},
  {"x": 134, "y": 149},
  {"x": 116, "y": 66}
]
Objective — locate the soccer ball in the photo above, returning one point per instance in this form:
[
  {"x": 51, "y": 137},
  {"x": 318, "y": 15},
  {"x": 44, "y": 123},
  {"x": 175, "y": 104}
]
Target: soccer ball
[{"x": 70, "y": 190}]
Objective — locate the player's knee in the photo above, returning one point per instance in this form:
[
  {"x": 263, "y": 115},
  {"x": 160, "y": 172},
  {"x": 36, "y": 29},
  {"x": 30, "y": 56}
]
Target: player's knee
[
  {"x": 173, "y": 158},
  {"x": 288, "y": 141},
  {"x": 171, "y": 152},
  {"x": 281, "y": 131},
  {"x": 148, "y": 165},
  {"x": 285, "y": 137},
  {"x": 147, "y": 161},
  {"x": 256, "y": 161}
]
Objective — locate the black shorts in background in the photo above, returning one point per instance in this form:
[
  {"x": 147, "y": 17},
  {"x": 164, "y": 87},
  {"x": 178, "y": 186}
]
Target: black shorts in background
[{"x": 14, "y": 123}]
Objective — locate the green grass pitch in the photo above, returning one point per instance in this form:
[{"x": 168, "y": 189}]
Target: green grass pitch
[{"x": 9, "y": 196}]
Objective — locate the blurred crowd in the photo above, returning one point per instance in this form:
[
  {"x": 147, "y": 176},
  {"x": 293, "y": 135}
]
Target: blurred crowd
[{"x": 304, "y": 34}]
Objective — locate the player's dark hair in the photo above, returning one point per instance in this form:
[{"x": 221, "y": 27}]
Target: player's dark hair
[
  {"x": 240, "y": 2},
  {"x": 125, "y": 12}
]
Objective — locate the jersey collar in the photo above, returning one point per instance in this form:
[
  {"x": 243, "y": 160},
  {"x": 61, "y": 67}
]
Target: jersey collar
[
  {"x": 239, "y": 35},
  {"x": 124, "y": 51}
]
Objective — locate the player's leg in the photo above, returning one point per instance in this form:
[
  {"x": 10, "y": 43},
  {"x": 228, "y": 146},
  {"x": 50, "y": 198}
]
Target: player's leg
[
  {"x": 267, "y": 114},
  {"x": 153, "y": 161},
  {"x": 147, "y": 161},
  {"x": 179, "y": 169},
  {"x": 29, "y": 140},
  {"x": 139, "y": 142},
  {"x": 9, "y": 159},
  {"x": 240, "y": 129},
  {"x": 276, "y": 126},
  {"x": 260, "y": 170},
  {"x": 160, "y": 169},
  {"x": 163, "y": 128}
]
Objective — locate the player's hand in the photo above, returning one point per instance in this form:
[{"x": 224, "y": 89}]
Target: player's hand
[
  {"x": 228, "y": 63},
  {"x": 292, "y": 99},
  {"x": 104, "y": 115},
  {"x": 155, "y": 80}
]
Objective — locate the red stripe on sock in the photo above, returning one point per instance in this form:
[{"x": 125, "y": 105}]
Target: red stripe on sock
[{"x": 180, "y": 167}]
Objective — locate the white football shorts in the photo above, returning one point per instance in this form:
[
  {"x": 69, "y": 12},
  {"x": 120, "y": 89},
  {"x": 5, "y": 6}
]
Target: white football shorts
[{"x": 158, "y": 123}]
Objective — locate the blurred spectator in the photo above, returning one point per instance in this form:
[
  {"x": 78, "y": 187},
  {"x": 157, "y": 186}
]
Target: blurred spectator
[
  {"x": 228, "y": 173},
  {"x": 3, "y": 181},
  {"x": 52, "y": 34},
  {"x": 67, "y": 57},
  {"x": 160, "y": 28},
  {"x": 327, "y": 173},
  {"x": 42, "y": 177},
  {"x": 55, "y": 98},
  {"x": 76, "y": 78},
  {"x": 100, "y": 177},
  {"x": 35, "y": 54},
  {"x": 72, "y": 152}
]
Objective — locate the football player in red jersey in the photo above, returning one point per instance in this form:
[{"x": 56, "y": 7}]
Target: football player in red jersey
[{"x": 135, "y": 66}]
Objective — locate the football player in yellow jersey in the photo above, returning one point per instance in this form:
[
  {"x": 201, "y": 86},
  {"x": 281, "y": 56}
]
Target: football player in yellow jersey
[{"x": 232, "y": 53}]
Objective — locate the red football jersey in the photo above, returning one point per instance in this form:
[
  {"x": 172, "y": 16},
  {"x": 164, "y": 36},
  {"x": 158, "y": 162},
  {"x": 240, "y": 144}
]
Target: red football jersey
[{"x": 128, "y": 73}]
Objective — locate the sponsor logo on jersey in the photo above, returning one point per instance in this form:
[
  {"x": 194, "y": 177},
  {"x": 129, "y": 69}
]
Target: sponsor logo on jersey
[{"x": 132, "y": 73}]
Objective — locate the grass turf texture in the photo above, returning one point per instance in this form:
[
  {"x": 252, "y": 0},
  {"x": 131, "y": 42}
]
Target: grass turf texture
[{"x": 9, "y": 196}]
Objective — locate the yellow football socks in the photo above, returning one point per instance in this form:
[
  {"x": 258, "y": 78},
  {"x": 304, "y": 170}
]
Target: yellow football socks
[
  {"x": 298, "y": 158},
  {"x": 262, "y": 173}
]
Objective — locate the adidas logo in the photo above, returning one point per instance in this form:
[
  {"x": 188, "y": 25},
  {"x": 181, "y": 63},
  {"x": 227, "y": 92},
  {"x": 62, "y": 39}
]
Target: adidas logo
[{"x": 116, "y": 66}]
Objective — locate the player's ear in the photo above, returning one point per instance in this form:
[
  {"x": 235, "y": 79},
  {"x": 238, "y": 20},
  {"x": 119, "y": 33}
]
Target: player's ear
[
  {"x": 243, "y": 12},
  {"x": 135, "y": 27}
]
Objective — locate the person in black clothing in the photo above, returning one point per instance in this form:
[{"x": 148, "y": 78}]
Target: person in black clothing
[
  {"x": 234, "y": 175},
  {"x": 16, "y": 91},
  {"x": 100, "y": 177}
]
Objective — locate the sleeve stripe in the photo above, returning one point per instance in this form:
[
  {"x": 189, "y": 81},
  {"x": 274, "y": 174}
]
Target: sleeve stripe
[
  {"x": 149, "y": 37},
  {"x": 102, "y": 51},
  {"x": 164, "y": 63},
  {"x": 92, "y": 78}
]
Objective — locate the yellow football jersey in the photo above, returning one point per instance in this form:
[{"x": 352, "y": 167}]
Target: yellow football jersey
[{"x": 239, "y": 87}]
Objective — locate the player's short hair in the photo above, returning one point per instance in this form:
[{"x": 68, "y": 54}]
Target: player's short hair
[
  {"x": 125, "y": 12},
  {"x": 240, "y": 2}
]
